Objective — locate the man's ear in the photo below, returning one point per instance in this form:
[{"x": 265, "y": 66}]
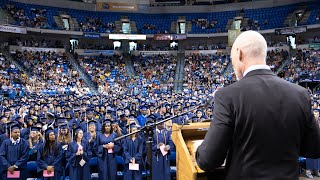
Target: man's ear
[{"x": 240, "y": 53}]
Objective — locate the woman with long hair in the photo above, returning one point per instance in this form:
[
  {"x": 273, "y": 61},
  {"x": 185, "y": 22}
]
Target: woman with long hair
[
  {"x": 78, "y": 156},
  {"x": 106, "y": 151},
  {"x": 132, "y": 153},
  {"x": 64, "y": 138},
  {"x": 35, "y": 140},
  {"x": 49, "y": 157}
]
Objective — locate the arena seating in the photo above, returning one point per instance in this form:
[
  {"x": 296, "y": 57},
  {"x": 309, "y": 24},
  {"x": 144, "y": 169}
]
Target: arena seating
[{"x": 274, "y": 17}]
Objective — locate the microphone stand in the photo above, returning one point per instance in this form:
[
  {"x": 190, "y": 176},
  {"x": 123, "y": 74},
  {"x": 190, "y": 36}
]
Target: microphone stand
[{"x": 148, "y": 132}]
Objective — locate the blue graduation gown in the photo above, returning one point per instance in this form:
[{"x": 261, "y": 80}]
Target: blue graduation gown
[
  {"x": 17, "y": 154},
  {"x": 76, "y": 171},
  {"x": 312, "y": 164},
  {"x": 24, "y": 133},
  {"x": 107, "y": 163},
  {"x": 87, "y": 137},
  {"x": 33, "y": 152},
  {"x": 132, "y": 149},
  {"x": 50, "y": 159},
  {"x": 160, "y": 163},
  {"x": 141, "y": 120}
]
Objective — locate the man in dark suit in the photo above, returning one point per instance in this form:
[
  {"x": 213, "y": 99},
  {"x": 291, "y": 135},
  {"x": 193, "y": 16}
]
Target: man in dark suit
[{"x": 261, "y": 124}]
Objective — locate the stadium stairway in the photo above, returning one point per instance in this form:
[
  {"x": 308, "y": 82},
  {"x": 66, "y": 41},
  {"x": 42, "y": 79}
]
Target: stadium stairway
[
  {"x": 129, "y": 65},
  {"x": 179, "y": 77},
  {"x": 16, "y": 63},
  {"x": 87, "y": 79}
]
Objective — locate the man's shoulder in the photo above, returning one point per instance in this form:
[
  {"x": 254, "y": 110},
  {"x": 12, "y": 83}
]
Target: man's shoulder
[{"x": 246, "y": 83}]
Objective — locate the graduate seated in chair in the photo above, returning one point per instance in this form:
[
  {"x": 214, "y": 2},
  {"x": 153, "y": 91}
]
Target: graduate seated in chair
[{"x": 14, "y": 154}]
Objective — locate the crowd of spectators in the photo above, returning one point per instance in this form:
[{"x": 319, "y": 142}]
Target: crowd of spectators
[
  {"x": 95, "y": 24},
  {"x": 276, "y": 57},
  {"x": 156, "y": 71},
  {"x": 39, "y": 16},
  {"x": 149, "y": 26},
  {"x": 207, "y": 46},
  {"x": 31, "y": 42},
  {"x": 50, "y": 71},
  {"x": 205, "y": 70},
  {"x": 204, "y": 23},
  {"x": 304, "y": 65},
  {"x": 12, "y": 80},
  {"x": 149, "y": 47}
]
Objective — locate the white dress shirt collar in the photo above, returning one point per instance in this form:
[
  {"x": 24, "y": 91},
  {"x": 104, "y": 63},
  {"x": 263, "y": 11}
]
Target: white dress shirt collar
[
  {"x": 15, "y": 142},
  {"x": 255, "y": 67}
]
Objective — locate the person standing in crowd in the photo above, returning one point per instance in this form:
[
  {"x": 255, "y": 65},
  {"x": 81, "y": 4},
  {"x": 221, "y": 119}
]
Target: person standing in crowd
[
  {"x": 132, "y": 153},
  {"x": 262, "y": 123},
  {"x": 49, "y": 157},
  {"x": 313, "y": 165},
  {"x": 91, "y": 135},
  {"x": 78, "y": 156},
  {"x": 160, "y": 162},
  {"x": 14, "y": 153},
  {"x": 106, "y": 150}
]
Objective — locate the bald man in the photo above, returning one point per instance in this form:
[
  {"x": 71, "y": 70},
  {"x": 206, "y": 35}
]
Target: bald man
[{"x": 261, "y": 124}]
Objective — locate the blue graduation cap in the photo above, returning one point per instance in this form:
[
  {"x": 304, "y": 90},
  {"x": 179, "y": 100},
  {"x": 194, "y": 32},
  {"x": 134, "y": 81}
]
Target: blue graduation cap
[
  {"x": 92, "y": 122},
  {"x": 77, "y": 129},
  {"x": 131, "y": 125},
  {"x": 49, "y": 130},
  {"x": 39, "y": 123},
  {"x": 15, "y": 126},
  {"x": 107, "y": 121},
  {"x": 63, "y": 126},
  {"x": 9, "y": 124},
  {"x": 35, "y": 128},
  {"x": 114, "y": 122}
]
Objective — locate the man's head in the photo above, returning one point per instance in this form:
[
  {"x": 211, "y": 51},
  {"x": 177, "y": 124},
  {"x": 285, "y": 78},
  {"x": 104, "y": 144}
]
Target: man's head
[{"x": 250, "y": 48}]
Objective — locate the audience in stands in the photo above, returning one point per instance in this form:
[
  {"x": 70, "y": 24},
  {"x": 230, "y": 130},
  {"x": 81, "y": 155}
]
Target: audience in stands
[
  {"x": 30, "y": 42},
  {"x": 205, "y": 70},
  {"x": 50, "y": 71},
  {"x": 95, "y": 24}
]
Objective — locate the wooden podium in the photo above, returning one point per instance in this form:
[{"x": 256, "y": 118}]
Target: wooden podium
[{"x": 185, "y": 137}]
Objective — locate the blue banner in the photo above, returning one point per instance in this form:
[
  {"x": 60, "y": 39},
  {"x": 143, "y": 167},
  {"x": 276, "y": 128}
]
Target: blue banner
[{"x": 92, "y": 35}]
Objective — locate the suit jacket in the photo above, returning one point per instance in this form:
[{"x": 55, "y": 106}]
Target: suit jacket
[{"x": 261, "y": 125}]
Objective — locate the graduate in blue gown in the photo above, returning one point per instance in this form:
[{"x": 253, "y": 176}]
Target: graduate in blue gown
[
  {"x": 91, "y": 136},
  {"x": 78, "y": 156},
  {"x": 35, "y": 140},
  {"x": 160, "y": 163},
  {"x": 106, "y": 151},
  {"x": 49, "y": 156},
  {"x": 132, "y": 153},
  {"x": 14, "y": 153}
]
